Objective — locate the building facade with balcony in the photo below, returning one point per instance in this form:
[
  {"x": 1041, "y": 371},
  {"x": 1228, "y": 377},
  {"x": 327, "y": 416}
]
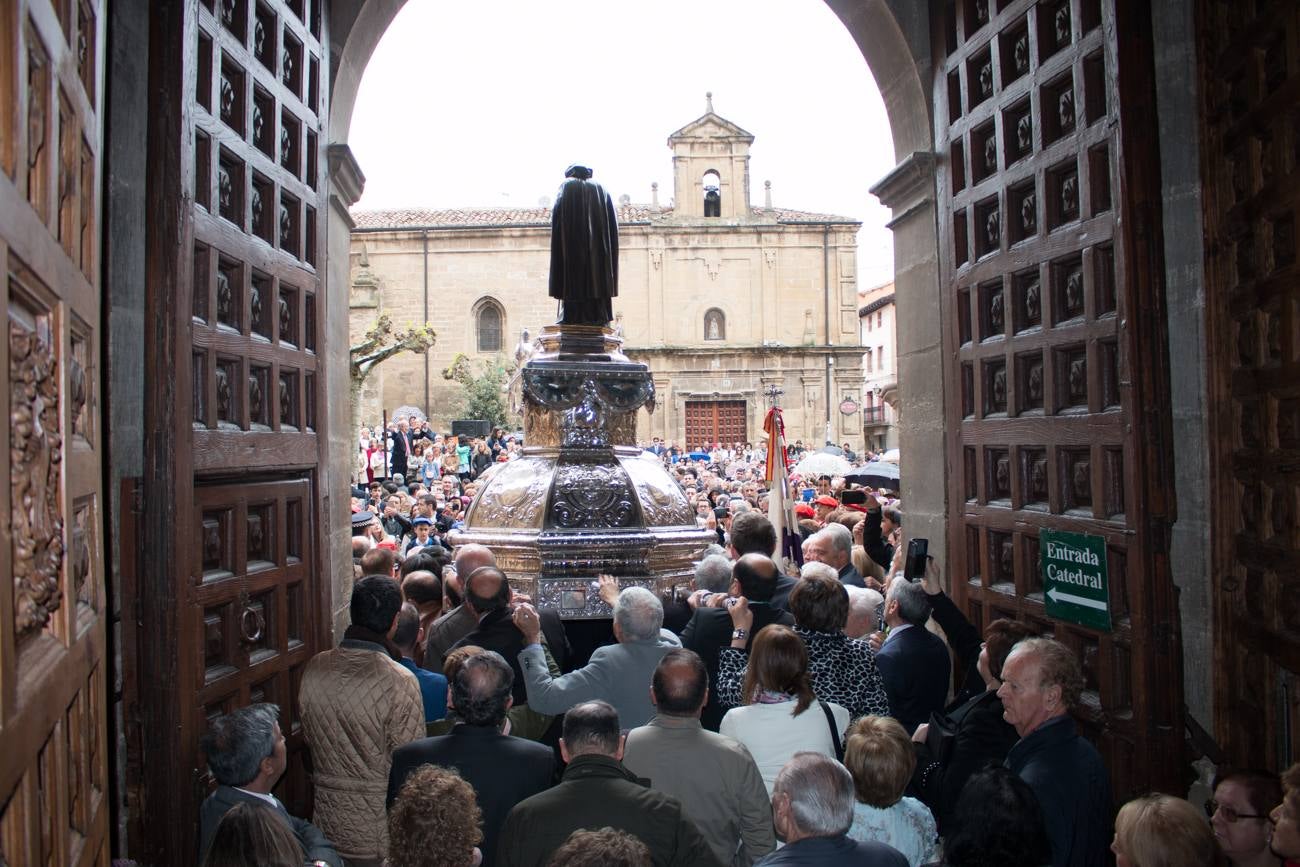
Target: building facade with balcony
[{"x": 879, "y": 367}]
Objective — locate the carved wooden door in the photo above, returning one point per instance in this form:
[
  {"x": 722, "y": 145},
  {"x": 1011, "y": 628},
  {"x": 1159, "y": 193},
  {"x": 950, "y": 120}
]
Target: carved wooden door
[
  {"x": 243, "y": 592},
  {"x": 1057, "y": 382},
  {"x": 1250, "y": 92},
  {"x": 714, "y": 421},
  {"x": 53, "y": 687}
]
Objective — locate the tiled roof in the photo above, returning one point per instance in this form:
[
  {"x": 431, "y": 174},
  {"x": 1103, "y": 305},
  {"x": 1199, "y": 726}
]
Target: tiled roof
[
  {"x": 417, "y": 218},
  {"x": 868, "y": 309}
]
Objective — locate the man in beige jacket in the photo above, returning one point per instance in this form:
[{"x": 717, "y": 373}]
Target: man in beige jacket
[
  {"x": 357, "y": 705},
  {"x": 713, "y": 776}
]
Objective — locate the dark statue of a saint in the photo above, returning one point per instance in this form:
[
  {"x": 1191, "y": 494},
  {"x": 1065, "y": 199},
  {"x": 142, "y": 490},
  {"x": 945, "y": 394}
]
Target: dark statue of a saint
[{"x": 584, "y": 250}]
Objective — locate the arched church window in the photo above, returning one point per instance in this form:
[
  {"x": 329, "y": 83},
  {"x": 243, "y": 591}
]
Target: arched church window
[
  {"x": 489, "y": 322},
  {"x": 715, "y": 325},
  {"x": 712, "y": 194}
]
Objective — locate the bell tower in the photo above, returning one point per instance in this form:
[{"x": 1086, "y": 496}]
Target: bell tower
[{"x": 710, "y": 168}]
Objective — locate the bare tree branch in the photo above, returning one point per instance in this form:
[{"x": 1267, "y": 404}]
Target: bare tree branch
[{"x": 382, "y": 343}]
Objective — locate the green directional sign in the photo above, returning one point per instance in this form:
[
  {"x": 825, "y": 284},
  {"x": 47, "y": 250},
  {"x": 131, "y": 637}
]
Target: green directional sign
[{"x": 1075, "y": 579}]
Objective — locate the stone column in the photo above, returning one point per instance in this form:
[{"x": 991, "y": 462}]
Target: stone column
[
  {"x": 346, "y": 182},
  {"x": 908, "y": 191}
]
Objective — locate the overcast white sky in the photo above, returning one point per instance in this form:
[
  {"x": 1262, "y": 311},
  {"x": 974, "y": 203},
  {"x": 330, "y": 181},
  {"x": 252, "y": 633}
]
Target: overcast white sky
[{"x": 485, "y": 103}]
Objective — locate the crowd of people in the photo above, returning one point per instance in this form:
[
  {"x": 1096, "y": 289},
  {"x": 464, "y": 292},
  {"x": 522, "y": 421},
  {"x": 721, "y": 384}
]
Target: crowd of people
[{"x": 838, "y": 713}]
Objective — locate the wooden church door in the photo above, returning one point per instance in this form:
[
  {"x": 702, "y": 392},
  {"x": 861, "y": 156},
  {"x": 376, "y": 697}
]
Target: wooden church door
[
  {"x": 1049, "y": 216},
  {"x": 53, "y": 689},
  {"x": 1250, "y": 157},
  {"x": 232, "y": 580}
]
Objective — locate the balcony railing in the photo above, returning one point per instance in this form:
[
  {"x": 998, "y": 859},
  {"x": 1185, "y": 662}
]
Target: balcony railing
[{"x": 873, "y": 415}]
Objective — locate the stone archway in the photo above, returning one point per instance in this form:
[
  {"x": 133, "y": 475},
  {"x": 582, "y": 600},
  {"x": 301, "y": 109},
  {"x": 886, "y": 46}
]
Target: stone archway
[{"x": 894, "y": 38}]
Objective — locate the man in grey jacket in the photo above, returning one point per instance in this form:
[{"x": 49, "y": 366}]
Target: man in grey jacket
[
  {"x": 714, "y": 777},
  {"x": 617, "y": 673},
  {"x": 246, "y": 754}
]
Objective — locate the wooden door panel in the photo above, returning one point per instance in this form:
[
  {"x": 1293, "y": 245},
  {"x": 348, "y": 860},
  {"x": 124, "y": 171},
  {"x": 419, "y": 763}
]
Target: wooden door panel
[
  {"x": 250, "y": 80},
  {"x": 1055, "y": 337},
  {"x": 257, "y": 192},
  {"x": 1250, "y": 106},
  {"x": 53, "y": 692},
  {"x": 251, "y": 575},
  {"x": 711, "y": 421}
]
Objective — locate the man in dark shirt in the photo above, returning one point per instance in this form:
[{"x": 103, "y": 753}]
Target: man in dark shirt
[
  {"x": 812, "y": 808},
  {"x": 754, "y": 576},
  {"x": 1040, "y": 681},
  {"x": 598, "y": 791},
  {"x": 503, "y": 770}
]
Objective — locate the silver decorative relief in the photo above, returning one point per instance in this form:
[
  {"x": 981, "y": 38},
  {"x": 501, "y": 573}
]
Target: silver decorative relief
[{"x": 591, "y": 495}]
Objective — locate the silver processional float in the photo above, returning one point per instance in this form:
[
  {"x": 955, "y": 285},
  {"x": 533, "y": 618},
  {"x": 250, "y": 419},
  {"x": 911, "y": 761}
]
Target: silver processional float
[{"x": 584, "y": 499}]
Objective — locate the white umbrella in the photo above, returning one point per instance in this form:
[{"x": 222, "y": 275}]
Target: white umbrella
[
  {"x": 408, "y": 412},
  {"x": 891, "y": 456},
  {"x": 822, "y": 464}
]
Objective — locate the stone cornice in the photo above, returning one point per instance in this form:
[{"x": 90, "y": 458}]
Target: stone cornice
[
  {"x": 910, "y": 182},
  {"x": 346, "y": 178},
  {"x": 817, "y": 350}
]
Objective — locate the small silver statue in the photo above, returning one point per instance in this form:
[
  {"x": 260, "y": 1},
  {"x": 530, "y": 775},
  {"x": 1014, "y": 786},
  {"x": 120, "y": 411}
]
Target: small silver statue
[{"x": 524, "y": 350}]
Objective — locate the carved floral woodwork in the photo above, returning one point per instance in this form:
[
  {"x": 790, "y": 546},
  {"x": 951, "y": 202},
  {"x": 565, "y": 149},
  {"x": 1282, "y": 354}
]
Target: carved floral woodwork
[{"x": 35, "y": 456}]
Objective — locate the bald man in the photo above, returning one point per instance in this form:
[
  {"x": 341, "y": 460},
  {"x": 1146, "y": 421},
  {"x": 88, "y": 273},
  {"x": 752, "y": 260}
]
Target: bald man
[
  {"x": 461, "y": 620},
  {"x": 487, "y": 594},
  {"x": 714, "y": 777}
]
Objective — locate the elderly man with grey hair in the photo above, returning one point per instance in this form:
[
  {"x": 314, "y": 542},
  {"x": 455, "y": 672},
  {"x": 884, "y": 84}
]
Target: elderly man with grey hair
[
  {"x": 913, "y": 660},
  {"x": 833, "y": 545},
  {"x": 812, "y": 808},
  {"x": 713, "y": 574},
  {"x": 710, "y": 583},
  {"x": 246, "y": 754},
  {"x": 864, "y": 612},
  {"x": 617, "y": 673}
]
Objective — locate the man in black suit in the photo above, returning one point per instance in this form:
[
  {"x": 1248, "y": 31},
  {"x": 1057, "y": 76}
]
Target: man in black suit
[
  {"x": 755, "y": 577},
  {"x": 399, "y": 455},
  {"x": 753, "y": 533},
  {"x": 245, "y": 752},
  {"x": 503, "y": 770},
  {"x": 913, "y": 660},
  {"x": 487, "y": 593}
]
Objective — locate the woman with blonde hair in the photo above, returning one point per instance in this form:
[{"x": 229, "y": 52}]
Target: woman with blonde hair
[
  {"x": 781, "y": 716},
  {"x": 1162, "y": 831},
  {"x": 879, "y": 755}
]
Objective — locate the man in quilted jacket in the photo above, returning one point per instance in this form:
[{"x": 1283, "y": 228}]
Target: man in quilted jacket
[{"x": 357, "y": 705}]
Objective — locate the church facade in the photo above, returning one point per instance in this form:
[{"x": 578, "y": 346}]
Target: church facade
[{"x": 722, "y": 299}]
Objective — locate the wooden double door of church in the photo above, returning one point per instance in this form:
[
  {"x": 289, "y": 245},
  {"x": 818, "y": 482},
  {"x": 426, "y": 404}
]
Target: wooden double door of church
[
  {"x": 715, "y": 421},
  {"x": 1057, "y": 414},
  {"x": 1250, "y": 157},
  {"x": 54, "y": 802},
  {"x": 229, "y": 577}
]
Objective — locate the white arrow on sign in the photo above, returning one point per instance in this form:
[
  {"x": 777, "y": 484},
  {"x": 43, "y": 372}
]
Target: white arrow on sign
[{"x": 1057, "y": 596}]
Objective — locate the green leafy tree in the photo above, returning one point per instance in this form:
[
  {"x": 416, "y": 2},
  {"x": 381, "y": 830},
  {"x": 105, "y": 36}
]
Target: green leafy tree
[{"x": 483, "y": 394}]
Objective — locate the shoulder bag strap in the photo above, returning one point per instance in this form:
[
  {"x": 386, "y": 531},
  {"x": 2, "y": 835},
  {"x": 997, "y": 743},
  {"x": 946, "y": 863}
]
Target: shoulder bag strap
[{"x": 835, "y": 731}]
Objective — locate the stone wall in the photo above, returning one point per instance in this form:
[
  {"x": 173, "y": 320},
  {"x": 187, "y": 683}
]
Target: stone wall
[{"x": 771, "y": 282}]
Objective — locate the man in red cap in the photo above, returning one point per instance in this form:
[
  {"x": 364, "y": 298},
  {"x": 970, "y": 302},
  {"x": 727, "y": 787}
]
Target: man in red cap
[{"x": 823, "y": 506}]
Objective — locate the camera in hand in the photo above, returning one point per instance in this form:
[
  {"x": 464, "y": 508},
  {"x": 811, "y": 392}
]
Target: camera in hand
[
  {"x": 914, "y": 566},
  {"x": 854, "y": 497}
]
